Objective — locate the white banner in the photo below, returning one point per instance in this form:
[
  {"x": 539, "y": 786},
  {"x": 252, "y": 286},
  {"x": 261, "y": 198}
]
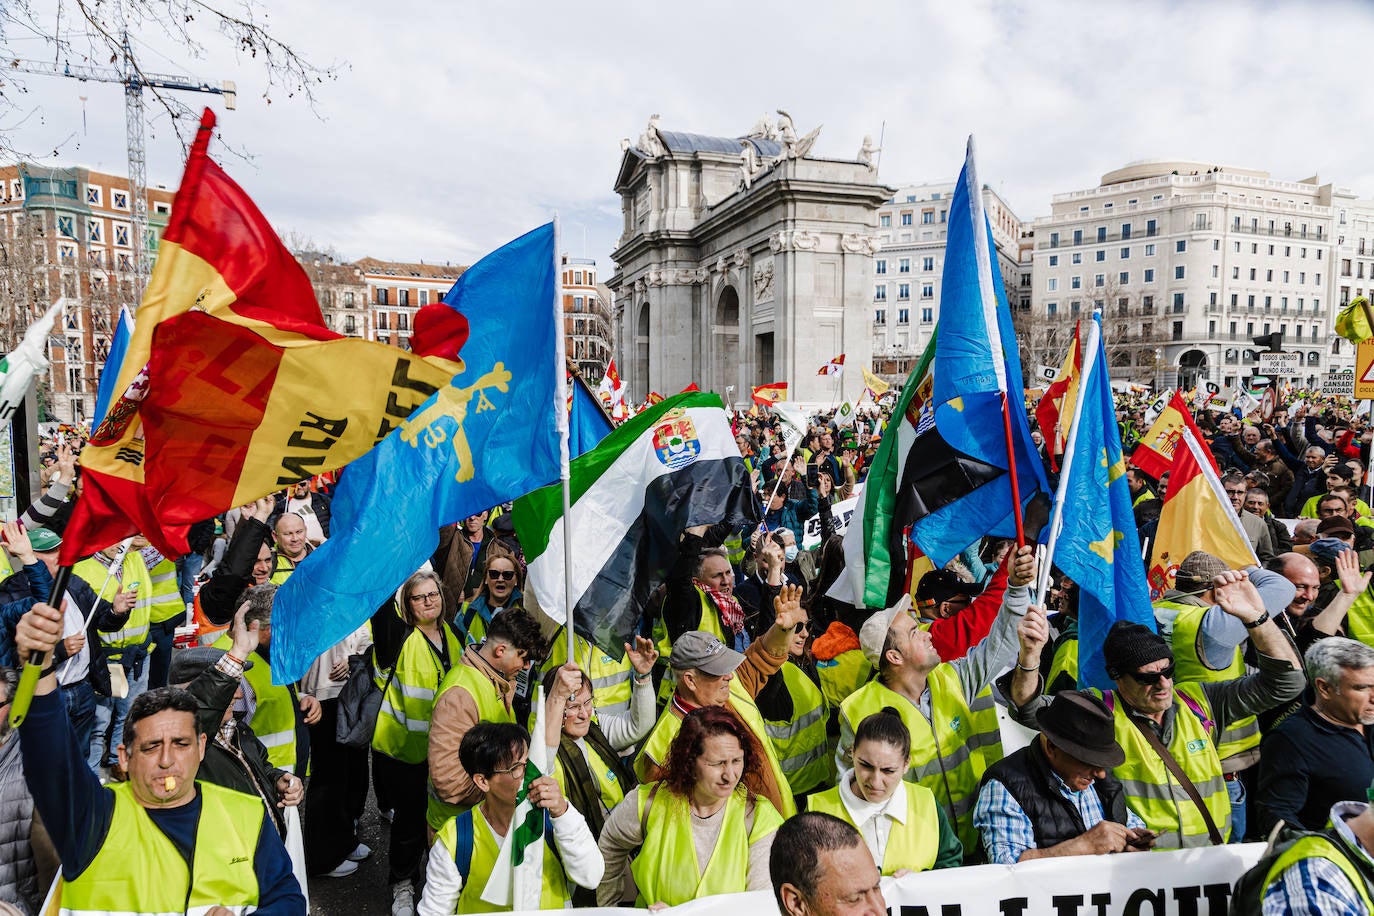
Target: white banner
[
  {"x": 1157, "y": 407},
  {"x": 842, "y": 512},
  {"x": 1193, "y": 882}
]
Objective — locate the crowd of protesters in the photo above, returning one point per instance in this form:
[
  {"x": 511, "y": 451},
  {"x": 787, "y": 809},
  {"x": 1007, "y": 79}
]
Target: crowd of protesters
[{"x": 751, "y": 694}]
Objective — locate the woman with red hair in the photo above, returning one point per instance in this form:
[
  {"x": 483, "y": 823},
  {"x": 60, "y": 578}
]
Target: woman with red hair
[{"x": 704, "y": 829}]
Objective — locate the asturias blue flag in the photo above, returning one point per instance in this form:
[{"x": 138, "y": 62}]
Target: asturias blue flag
[
  {"x": 587, "y": 422},
  {"x": 124, "y": 330},
  {"x": 488, "y": 437},
  {"x": 976, "y": 364},
  {"x": 1098, "y": 547}
]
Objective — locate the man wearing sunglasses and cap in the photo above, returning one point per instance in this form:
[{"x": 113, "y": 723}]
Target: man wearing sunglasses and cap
[
  {"x": 1172, "y": 773},
  {"x": 1053, "y": 797}
]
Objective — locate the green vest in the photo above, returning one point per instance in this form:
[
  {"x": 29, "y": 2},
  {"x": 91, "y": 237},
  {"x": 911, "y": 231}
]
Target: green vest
[
  {"x": 1319, "y": 847},
  {"x": 164, "y": 598},
  {"x": 655, "y": 748},
  {"x": 667, "y": 870},
  {"x": 610, "y": 678},
  {"x": 802, "y": 745},
  {"x": 402, "y": 731},
  {"x": 94, "y": 573},
  {"x": 485, "y": 848},
  {"x": 490, "y": 708},
  {"x": 950, "y": 752},
  {"x": 274, "y": 719},
  {"x": 842, "y": 675},
  {"x": 139, "y": 870},
  {"x": 914, "y": 844},
  {"x": 1151, "y": 791},
  {"x": 1238, "y": 736}
]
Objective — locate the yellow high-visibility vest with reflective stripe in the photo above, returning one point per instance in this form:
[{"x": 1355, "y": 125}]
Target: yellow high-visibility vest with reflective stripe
[
  {"x": 914, "y": 844},
  {"x": 94, "y": 573},
  {"x": 274, "y": 717},
  {"x": 610, "y": 678},
  {"x": 138, "y": 870},
  {"x": 486, "y": 847},
  {"x": 1318, "y": 847},
  {"x": 164, "y": 598},
  {"x": 1238, "y": 736},
  {"x": 490, "y": 708},
  {"x": 802, "y": 745},
  {"x": 402, "y": 731}
]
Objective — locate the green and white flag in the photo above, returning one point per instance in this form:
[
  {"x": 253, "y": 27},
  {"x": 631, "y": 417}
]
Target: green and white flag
[
  {"x": 670, "y": 467},
  {"x": 517, "y": 878}
]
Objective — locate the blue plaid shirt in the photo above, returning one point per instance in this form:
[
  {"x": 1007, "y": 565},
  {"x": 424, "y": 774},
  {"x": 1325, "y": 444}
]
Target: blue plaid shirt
[
  {"x": 1006, "y": 829},
  {"x": 1318, "y": 887}
]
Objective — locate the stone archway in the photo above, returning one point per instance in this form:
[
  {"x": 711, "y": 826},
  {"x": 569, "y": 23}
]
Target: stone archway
[
  {"x": 641, "y": 352},
  {"x": 725, "y": 342},
  {"x": 1192, "y": 369}
]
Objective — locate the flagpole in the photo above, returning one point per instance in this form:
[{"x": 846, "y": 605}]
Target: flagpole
[
  {"x": 1057, "y": 519},
  {"x": 564, "y": 473}
]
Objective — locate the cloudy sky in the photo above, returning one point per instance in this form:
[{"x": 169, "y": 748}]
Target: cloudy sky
[{"x": 453, "y": 127}]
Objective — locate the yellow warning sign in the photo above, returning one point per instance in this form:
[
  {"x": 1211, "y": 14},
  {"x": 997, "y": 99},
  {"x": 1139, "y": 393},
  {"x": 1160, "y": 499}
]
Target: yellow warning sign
[{"x": 1364, "y": 370}]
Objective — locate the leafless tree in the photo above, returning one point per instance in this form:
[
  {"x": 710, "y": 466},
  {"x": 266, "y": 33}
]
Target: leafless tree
[{"x": 1133, "y": 329}]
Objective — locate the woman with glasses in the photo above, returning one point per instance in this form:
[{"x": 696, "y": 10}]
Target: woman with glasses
[
  {"x": 704, "y": 829},
  {"x": 901, "y": 822},
  {"x": 502, "y": 577},
  {"x": 419, "y": 648},
  {"x": 797, "y": 717}
]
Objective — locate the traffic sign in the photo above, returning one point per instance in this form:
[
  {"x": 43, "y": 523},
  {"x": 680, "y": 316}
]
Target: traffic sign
[
  {"x": 1364, "y": 369},
  {"x": 1280, "y": 364}
]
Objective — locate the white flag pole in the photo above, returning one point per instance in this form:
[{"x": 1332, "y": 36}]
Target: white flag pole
[
  {"x": 564, "y": 473},
  {"x": 116, "y": 563},
  {"x": 1057, "y": 520}
]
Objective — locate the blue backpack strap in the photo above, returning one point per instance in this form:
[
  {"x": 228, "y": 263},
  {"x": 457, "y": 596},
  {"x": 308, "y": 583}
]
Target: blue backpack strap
[{"x": 462, "y": 856}]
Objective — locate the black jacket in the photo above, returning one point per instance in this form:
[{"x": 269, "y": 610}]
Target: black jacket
[
  {"x": 1308, "y": 764},
  {"x": 219, "y": 597},
  {"x": 1030, "y": 780}
]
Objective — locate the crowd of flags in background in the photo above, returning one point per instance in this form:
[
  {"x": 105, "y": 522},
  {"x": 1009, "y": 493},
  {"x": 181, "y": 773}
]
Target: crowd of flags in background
[{"x": 220, "y": 394}]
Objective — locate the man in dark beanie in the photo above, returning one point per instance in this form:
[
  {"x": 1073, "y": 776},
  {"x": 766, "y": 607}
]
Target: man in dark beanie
[
  {"x": 1208, "y": 646},
  {"x": 1169, "y": 731}
]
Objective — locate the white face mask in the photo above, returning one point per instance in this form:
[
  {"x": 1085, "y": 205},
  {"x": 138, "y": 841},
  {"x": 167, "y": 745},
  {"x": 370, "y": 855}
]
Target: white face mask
[{"x": 790, "y": 553}]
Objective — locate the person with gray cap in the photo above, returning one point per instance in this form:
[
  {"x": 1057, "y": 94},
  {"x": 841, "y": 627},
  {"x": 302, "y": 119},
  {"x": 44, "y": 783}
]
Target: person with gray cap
[
  {"x": 947, "y": 706},
  {"x": 1172, "y": 773},
  {"x": 1054, "y": 796},
  {"x": 1208, "y": 645},
  {"x": 710, "y": 673},
  {"x": 234, "y": 757}
]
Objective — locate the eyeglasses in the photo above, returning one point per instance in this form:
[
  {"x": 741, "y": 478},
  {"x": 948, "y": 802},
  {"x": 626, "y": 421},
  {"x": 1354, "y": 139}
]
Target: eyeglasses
[
  {"x": 500, "y": 575},
  {"x": 572, "y": 709},
  {"x": 426, "y": 598},
  {"x": 1235, "y": 492},
  {"x": 1151, "y": 678},
  {"x": 514, "y": 770}
]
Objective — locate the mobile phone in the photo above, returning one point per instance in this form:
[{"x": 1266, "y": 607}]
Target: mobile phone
[
  {"x": 1144, "y": 840},
  {"x": 812, "y": 476}
]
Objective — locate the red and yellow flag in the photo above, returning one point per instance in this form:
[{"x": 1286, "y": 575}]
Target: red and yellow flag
[
  {"x": 1055, "y": 410},
  {"x": 770, "y": 394},
  {"x": 1155, "y": 453},
  {"x": 1196, "y": 515},
  {"x": 233, "y": 386}
]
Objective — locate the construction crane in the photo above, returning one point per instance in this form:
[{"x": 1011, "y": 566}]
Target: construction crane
[{"x": 133, "y": 79}]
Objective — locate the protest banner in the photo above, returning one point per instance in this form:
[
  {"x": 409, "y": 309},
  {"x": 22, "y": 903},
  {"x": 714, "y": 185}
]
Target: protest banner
[{"x": 842, "y": 512}]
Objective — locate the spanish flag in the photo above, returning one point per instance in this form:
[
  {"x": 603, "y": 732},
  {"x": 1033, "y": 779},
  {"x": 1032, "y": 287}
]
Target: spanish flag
[
  {"x": 1196, "y": 515},
  {"x": 233, "y": 385},
  {"x": 1058, "y": 403},
  {"x": 1155, "y": 453},
  {"x": 770, "y": 394}
]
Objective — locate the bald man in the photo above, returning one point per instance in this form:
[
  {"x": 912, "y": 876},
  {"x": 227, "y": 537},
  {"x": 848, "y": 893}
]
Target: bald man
[{"x": 1302, "y": 572}]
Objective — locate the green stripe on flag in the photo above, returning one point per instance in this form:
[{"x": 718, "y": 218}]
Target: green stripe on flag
[{"x": 530, "y": 830}]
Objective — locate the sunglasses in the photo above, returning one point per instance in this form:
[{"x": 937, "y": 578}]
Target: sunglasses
[
  {"x": 1151, "y": 678},
  {"x": 801, "y": 627},
  {"x": 501, "y": 575}
]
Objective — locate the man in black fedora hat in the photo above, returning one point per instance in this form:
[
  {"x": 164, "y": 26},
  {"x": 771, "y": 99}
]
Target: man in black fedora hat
[{"x": 1054, "y": 796}]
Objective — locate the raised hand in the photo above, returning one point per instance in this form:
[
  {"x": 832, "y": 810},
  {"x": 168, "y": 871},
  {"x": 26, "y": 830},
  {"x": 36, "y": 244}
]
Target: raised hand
[
  {"x": 1238, "y": 596},
  {"x": 1353, "y": 582},
  {"x": 1023, "y": 566},
  {"x": 787, "y": 607},
  {"x": 642, "y": 655}
]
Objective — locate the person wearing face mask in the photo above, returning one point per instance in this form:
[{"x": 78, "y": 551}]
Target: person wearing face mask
[
  {"x": 903, "y": 825},
  {"x": 705, "y": 829}
]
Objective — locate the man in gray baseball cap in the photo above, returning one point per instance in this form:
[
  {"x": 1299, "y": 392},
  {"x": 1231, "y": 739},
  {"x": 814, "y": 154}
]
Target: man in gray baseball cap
[{"x": 709, "y": 673}]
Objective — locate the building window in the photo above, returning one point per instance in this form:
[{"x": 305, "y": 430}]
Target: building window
[
  {"x": 403, "y": 297},
  {"x": 1125, "y": 231},
  {"x": 66, "y": 227},
  {"x": 885, "y": 221},
  {"x": 1051, "y": 308},
  {"x": 1075, "y": 283},
  {"x": 1178, "y": 302},
  {"x": 1178, "y": 272},
  {"x": 1077, "y": 257},
  {"x": 1178, "y": 330},
  {"x": 1125, "y": 253},
  {"x": 381, "y": 321},
  {"x": 121, "y": 234},
  {"x": 348, "y": 299},
  {"x": 880, "y": 316},
  {"x": 927, "y": 217},
  {"x": 1102, "y": 233},
  {"x": 880, "y": 294},
  {"x": 904, "y": 266},
  {"x": 906, "y": 219},
  {"x": 1149, "y": 275},
  {"x": 903, "y": 291},
  {"x": 881, "y": 266},
  {"x": 95, "y": 233},
  {"x": 93, "y": 195},
  {"x": 1101, "y": 255},
  {"x": 382, "y": 299},
  {"x": 927, "y": 291},
  {"x": 1054, "y": 239},
  {"x": 1099, "y": 280},
  {"x": 121, "y": 199},
  {"x": 1124, "y": 277},
  {"x": 927, "y": 264},
  {"x": 903, "y": 316},
  {"x": 927, "y": 316},
  {"x": 1078, "y": 236},
  {"x": 1152, "y": 227},
  {"x": 424, "y": 297},
  {"x": 1181, "y": 246},
  {"x": 1052, "y": 284},
  {"x": 1054, "y": 260},
  {"x": 1150, "y": 250}
]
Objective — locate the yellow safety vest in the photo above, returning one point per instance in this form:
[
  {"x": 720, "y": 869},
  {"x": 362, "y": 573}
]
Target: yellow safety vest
[
  {"x": 94, "y": 573},
  {"x": 6, "y": 569},
  {"x": 490, "y": 708},
  {"x": 1359, "y": 621},
  {"x": 485, "y": 848},
  {"x": 1309, "y": 508},
  {"x": 610, "y": 678},
  {"x": 655, "y": 749},
  {"x": 1238, "y": 736},
  {"x": 1319, "y": 847},
  {"x": 274, "y": 719},
  {"x": 914, "y": 844},
  {"x": 164, "y": 598},
  {"x": 139, "y": 870},
  {"x": 667, "y": 869},
  {"x": 1151, "y": 790},
  {"x": 402, "y": 731},
  {"x": 842, "y": 675},
  {"x": 802, "y": 745},
  {"x": 612, "y": 792},
  {"x": 950, "y": 752},
  {"x": 1065, "y": 662}
]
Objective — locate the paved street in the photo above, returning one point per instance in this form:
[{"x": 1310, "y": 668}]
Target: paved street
[{"x": 365, "y": 892}]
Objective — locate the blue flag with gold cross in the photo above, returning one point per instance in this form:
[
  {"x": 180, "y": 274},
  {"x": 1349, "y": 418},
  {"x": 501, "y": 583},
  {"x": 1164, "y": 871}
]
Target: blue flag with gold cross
[
  {"x": 487, "y": 437},
  {"x": 1098, "y": 547}
]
